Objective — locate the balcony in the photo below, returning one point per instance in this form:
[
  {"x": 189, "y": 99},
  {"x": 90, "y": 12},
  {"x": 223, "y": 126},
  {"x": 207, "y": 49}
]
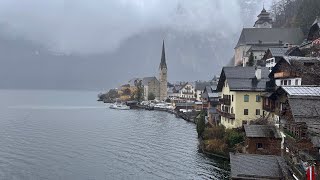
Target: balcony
[
  {"x": 225, "y": 114},
  {"x": 282, "y": 75},
  {"x": 188, "y": 92},
  {"x": 225, "y": 101}
]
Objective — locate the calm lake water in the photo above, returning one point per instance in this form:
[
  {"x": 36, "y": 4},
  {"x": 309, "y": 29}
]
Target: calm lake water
[{"x": 68, "y": 135}]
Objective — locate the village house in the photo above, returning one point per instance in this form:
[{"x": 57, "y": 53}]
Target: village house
[
  {"x": 254, "y": 166},
  {"x": 199, "y": 88},
  {"x": 187, "y": 91},
  {"x": 273, "y": 55},
  {"x": 295, "y": 71},
  {"x": 311, "y": 47},
  {"x": 241, "y": 89},
  {"x": 262, "y": 139},
  {"x": 210, "y": 98},
  {"x": 263, "y": 36},
  {"x": 299, "y": 112}
]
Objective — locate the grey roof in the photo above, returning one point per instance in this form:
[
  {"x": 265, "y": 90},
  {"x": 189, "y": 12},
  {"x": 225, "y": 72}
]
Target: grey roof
[
  {"x": 278, "y": 51},
  {"x": 305, "y": 107},
  {"x": 302, "y": 90},
  {"x": 213, "y": 95},
  {"x": 289, "y": 59},
  {"x": 250, "y": 36},
  {"x": 253, "y": 166},
  {"x": 201, "y": 85},
  {"x": 243, "y": 78},
  {"x": 163, "y": 63},
  {"x": 146, "y": 80},
  {"x": 261, "y": 131}
]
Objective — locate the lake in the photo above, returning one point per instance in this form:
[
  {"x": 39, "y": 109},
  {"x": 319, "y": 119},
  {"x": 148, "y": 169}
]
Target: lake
[{"x": 47, "y": 134}]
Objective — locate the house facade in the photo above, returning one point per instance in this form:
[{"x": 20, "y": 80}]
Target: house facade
[
  {"x": 262, "y": 139},
  {"x": 240, "y": 89},
  {"x": 187, "y": 91},
  {"x": 296, "y": 71},
  {"x": 263, "y": 36}
]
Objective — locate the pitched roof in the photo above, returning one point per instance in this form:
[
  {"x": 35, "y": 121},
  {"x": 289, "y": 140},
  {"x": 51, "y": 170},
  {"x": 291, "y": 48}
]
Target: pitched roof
[
  {"x": 302, "y": 90},
  {"x": 146, "y": 80},
  {"x": 163, "y": 63},
  {"x": 261, "y": 131},
  {"x": 278, "y": 51},
  {"x": 290, "y": 59},
  {"x": 243, "y": 78},
  {"x": 201, "y": 85},
  {"x": 250, "y": 36},
  {"x": 253, "y": 166}
]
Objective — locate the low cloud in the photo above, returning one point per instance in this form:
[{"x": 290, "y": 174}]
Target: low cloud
[{"x": 97, "y": 26}]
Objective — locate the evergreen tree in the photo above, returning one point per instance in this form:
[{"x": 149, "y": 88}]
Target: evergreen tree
[
  {"x": 251, "y": 60},
  {"x": 139, "y": 92},
  {"x": 151, "y": 96},
  {"x": 201, "y": 124}
]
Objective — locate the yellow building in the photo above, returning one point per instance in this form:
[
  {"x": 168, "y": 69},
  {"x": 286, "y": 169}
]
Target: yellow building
[{"x": 240, "y": 89}]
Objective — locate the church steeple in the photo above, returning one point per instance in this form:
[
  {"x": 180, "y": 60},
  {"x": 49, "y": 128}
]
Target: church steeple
[
  {"x": 163, "y": 63},
  {"x": 163, "y": 75}
]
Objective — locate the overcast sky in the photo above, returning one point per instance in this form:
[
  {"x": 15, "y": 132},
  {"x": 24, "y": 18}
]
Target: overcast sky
[
  {"x": 94, "y": 26},
  {"x": 200, "y": 36}
]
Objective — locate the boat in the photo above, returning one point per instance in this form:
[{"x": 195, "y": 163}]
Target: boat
[{"x": 120, "y": 106}]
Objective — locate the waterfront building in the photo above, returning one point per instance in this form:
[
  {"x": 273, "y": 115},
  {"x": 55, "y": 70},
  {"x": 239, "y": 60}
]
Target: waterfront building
[
  {"x": 151, "y": 85},
  {"x": 254, "y": 166},
  {"x": 199, "y": 88},
  {"x": 241, "y": 89},
  {"x": 187, "y": 91},
  {"x": 262, "y": 139},
  {"x": 163, "y": 70},
  {"x": 297, "y": 108}
]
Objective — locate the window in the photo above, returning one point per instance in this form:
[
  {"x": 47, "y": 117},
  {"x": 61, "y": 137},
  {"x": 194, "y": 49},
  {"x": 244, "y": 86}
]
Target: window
[
  {"x": 258, "y": 112},
  {"x": 259, "y": 146},
  {"x": 258, "y": 98},
  {"x": 246, "y": 112},
  {"x": 281, "y": 82},
  {"x": 246, "y": 98},
  {"x": 285, "y": 82},
  {"x": 289, "y": 82},
  {"x": 255, "y": 57},
  {"x": 231, "y": 110},
  {"x": 232, "y": 98},
  {"x": 297, "y": 81}
]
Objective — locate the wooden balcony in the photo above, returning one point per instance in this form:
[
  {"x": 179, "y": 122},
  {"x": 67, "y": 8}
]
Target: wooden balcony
[
  {"x": 225, "y": 114},
  {"x": 225, "y": 101},
  {"x": 282, "y": 75}
]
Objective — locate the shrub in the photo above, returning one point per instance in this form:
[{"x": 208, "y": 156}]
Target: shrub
[{"x": 233, "y": 137}]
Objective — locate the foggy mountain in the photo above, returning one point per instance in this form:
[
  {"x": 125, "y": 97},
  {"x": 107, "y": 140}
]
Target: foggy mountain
[{"x": 191, "y": 55}]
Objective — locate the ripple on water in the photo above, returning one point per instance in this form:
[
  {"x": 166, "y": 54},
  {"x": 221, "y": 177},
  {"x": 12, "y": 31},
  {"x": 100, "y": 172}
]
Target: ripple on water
[{"x": 90, "y": 141}]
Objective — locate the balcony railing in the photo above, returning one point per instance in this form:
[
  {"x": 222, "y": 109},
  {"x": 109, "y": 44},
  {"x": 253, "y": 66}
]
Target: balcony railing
[
  {"x": 225, "y": 114},
  {"x": 225, "y": 101}
]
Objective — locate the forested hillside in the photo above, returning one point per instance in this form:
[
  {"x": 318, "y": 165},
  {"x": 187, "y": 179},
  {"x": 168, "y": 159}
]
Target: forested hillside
[{"x": 295, "y": 13}]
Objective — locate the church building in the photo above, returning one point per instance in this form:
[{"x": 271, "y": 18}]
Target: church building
[
  {"x": 163, "y": 69},
  {"x": 152, "y": 85}
]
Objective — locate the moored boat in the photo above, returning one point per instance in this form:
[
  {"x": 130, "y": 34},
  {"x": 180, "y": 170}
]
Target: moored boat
[{"x": 119, "y": 106}]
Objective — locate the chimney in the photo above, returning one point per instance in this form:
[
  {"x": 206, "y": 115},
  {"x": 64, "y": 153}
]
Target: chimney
[{"x": 258, "y": 72}]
